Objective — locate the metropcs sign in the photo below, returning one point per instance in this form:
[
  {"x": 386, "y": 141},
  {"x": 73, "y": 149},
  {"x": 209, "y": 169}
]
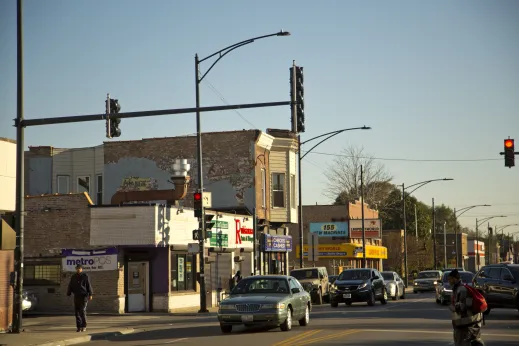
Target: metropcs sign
[
  {"x": 243, "y": 233},
  {"x": 91, "y": 260}
]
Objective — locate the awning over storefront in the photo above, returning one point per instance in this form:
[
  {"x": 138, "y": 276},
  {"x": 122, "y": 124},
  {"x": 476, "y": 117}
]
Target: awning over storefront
[{"x": 347, "y": 250}]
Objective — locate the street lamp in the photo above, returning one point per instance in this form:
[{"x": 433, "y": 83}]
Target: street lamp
[
  {"x": 463, "y": 210},
  {"x": 502, "y": 228},
  {"x": 327, "y": 136},
  {"x": 418, "y": 185},
  {"x": 476, "y": 244},
  {"x": 198, "y": 79}
]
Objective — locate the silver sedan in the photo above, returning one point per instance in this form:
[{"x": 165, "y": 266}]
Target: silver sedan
[{"x": 395, "y": 286}]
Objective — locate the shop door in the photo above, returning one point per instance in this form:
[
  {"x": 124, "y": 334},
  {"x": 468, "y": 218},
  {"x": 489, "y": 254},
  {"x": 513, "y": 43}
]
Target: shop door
[{"x": 138, "y": 286}]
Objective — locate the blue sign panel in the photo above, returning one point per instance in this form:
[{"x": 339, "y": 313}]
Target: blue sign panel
[
  {"x": 277, "y": 243},
  {"x": 330, "y": 229}
]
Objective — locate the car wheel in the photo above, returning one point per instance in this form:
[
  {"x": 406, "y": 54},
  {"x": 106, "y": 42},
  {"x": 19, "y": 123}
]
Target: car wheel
[
  {"x": 305, "y": 320},
  {"x": 320, "y": 297},
  {"x": 287, "y": 325},
  {"x": 403, "y": 294},
  {"x": 384, "y": 297},
  {"x": 371, "y": 300},
  {"x": 442, "y": 300},
  {"x": 226, "y": 328},
  {"x": 348, "y": 303},
  {"x": 397, "y": 295},
  {"x": 334, "y": 304}
]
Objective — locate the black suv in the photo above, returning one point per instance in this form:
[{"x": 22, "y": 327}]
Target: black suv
[
  {"x": 358, "y": 285},
  {"x": 499, "y": 284}
]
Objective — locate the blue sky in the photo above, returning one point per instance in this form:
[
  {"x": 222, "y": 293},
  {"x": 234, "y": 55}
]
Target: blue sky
[{"x": 436, "y": 80}]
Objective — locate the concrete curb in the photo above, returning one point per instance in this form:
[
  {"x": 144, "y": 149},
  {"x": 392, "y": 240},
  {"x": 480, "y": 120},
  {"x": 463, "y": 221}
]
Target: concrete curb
[{"x": 86, "y": 338}]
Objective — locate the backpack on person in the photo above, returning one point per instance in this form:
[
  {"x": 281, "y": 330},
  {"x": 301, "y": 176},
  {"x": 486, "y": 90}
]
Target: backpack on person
[{"x": 479, "y": 303}]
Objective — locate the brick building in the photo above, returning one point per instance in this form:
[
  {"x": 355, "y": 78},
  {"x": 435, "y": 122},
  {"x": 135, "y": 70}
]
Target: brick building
[
  {"x": 247, "y": 173},
  {"x": 339, "y": 229}
]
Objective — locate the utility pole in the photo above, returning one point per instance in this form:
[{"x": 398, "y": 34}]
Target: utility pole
[
  {"x": 415, "y": 222},
  {"x": 362, "y": 215},
  {"x": 476, "y": 245},
  {"x": 20, "y": 201},
  {"x": 445, "y": 244},
  {"x": 405, "y": 236},
  {"x": 434, "y": 235}
]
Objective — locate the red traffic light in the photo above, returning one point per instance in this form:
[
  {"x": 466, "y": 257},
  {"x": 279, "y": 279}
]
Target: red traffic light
[
  {"x": 198, "y": 196},
  {"x": 509, "y": 143}
]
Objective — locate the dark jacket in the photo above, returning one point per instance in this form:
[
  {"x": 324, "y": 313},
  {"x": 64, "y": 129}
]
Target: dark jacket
[
  {"x": 461, "y": 305},
  {"x": 80, "y": 285}
]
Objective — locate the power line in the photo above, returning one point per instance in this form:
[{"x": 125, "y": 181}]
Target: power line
[
  {"x": 213, "y": 88},
  {"x": 409, "y": 160}
]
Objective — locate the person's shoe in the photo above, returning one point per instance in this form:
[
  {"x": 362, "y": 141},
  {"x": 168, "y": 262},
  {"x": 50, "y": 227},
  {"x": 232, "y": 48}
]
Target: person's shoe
[
  {"x": 78, "y": 330},
  {"x": 83, "y": 329}
]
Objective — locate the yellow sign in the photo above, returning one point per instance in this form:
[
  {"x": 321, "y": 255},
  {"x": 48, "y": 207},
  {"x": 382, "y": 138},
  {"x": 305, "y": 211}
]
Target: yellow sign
[{"x": 347, "y": 250}]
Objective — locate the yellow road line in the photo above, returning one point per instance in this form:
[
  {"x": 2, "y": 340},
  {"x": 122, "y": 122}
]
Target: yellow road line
[
  {"x": 328, "y": 337},
  {"x": 297, "y": 337}
]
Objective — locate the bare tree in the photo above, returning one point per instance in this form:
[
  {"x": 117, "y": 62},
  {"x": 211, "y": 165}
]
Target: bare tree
[{"x": 344, "y": 177}]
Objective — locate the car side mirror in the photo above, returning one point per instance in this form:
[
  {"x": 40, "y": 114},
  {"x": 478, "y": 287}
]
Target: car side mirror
[{"x": 295, "y": 290}]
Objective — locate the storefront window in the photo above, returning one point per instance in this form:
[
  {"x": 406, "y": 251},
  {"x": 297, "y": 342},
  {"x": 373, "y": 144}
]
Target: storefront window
[{"x": 183, "y": 272}]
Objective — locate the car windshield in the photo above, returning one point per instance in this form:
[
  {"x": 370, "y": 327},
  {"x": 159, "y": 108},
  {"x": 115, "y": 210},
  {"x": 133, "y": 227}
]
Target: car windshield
[
  {"x": 305, "y": 274},
  {"x": 427, "y": 275},
  {"x": 388, "y": 276},
  {"x": 261, "y": 286},
  {"x": 466, "y": 277},
  {"x": 355, "y": 275}
]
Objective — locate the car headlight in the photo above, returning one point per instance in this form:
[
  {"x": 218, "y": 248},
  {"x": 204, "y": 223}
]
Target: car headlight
[
  {"x": 362, "y": 285},
  {"x": 435, "y": 283},
  {"x": 227, "y": 307},
  {"x": 333, "y": 287},
  {"x": 279, "y": 306},
  {"x": 416, "y": 283}
]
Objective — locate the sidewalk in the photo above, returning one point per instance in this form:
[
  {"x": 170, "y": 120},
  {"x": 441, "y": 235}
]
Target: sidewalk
[{"x": 59, "y": 330}]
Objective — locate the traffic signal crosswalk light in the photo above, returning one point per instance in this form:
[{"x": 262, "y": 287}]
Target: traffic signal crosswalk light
[
  {"x": 509, "y": 153},
  {"x": 298, "y": 99},
  {"x": 197, "y": 204},
  {"x": 112, "y": 121}
]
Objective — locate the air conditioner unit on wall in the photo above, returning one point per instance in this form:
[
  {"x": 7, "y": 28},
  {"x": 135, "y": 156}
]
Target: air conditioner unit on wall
[{"x": 238, "y": 258}]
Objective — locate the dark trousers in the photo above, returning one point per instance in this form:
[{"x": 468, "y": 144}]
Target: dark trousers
[{"x": 80, "y": 305}]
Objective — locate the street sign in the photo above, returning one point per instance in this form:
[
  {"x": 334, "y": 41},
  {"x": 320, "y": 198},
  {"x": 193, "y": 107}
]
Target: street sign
[
  {"x": 207, "y": 199},
  {"x": 313, "y": 247}
]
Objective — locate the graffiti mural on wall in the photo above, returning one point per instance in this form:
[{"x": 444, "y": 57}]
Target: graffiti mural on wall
[{"x": 138, "y": 184}]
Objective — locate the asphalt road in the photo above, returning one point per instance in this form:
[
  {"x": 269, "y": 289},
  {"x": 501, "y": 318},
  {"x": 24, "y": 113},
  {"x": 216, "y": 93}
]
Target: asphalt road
[{"x": 417, "y": 320}]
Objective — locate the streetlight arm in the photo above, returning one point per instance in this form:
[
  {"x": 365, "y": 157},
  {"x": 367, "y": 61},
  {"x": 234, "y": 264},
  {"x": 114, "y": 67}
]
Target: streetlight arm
[
  {"x": 486, "y": 219},
  {"x": 330, "y": 135},
  {"x": 223, "y": 52},
  {"x": 419, "y": 186},
  {"x": 336, "y": 132},
  {"x": 464, "y": 210}
]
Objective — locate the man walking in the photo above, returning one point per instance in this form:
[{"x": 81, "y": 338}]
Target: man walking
[
  {"x": 82, "y": 289},
  {"x": 466, "y": 324}
]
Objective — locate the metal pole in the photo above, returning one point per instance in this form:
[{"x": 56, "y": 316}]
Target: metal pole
[
  {"x": 476, "y": 244},
  {"x": 456, "y": 238},
  {"x": 415, "y": 222},
  {"x": 300, "y": 214},
  {"x": 203, "y": 303},
  {"x": 362, "y": 215},
  {"x": 19, "y": 222},
  {"x": 254, "y": 237},
  {"x": 434, "y": 235},
  {"x": 405, "y": 236},
  {"x": 445, "y": 244}
]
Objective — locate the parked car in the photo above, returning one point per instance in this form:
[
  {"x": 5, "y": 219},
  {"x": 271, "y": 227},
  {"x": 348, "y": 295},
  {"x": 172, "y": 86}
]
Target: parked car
[
  {"x": 426, "y": 281},
  {"x": 395, "y": 286},
  {"x": 499, "y": 284},
  {"x": 315, "y": 282},
  {"x": 273, "y": 300},
  {"x": 358, "y": 285},
  {"x": 444, "y": 289},
  {"x": 332, "y": 278}
]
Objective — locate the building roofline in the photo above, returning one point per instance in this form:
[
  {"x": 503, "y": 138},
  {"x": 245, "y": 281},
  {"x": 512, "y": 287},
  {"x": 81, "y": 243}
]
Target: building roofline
[
  {"x": 8, "y": 140},
  {"x": 191, "y": 135}
]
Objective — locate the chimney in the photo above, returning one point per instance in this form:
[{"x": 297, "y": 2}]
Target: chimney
[{"x": 179, "y": 178}]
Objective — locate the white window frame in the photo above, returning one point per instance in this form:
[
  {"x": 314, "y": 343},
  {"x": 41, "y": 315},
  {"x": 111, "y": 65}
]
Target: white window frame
[
  {"x": 58, "y": 185},
  {"x": 79, "y": 188},
  {"x": 273, "y": 182},
  {"x": 263, "y": 187},
  {"x": 99, "y": 193}
]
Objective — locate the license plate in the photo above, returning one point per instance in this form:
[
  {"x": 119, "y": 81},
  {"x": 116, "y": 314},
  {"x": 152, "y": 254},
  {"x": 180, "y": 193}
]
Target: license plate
[
  {"x": 347, "y": 296},
  {"x": 247, "y": 318}
]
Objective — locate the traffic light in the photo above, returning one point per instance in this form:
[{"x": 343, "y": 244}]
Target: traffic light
[
  {"x": 112, "y": 122},
  {"x": 208, "y": 225},
  {"x": 197, "y": 204},
  {"x": 298, "y": 100},
  {"x": 509, "y": 153}
]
